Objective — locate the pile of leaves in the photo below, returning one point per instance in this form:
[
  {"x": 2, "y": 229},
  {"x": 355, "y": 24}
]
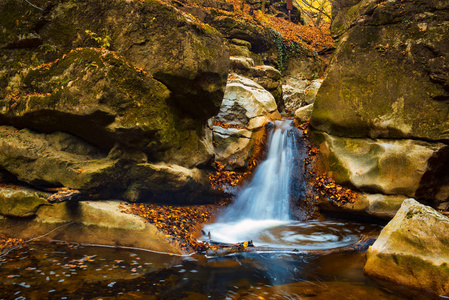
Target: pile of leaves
[
  {"x": 227, "y": 126},
  {"x": 179, "y": 223},
  {"x": 221, "y": 178},
  {"x": 326, "y": 187},
  {"x": 304, "y": 128},
  {"x": 8, "y": 243},
  {"x": 314, "y": 38}
]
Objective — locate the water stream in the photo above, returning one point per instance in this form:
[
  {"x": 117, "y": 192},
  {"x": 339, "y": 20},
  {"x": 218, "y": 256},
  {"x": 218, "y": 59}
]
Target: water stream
[
  {"x": 261, "y": 213},
  {"x": 265, "y": 202}
]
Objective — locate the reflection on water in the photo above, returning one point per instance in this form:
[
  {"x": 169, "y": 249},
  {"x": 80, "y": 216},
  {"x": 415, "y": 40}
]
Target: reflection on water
[{"x": 60, "y": 271}]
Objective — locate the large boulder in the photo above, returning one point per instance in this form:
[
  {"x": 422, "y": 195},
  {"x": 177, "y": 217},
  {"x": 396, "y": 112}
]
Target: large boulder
[
  {"x": 60, "y": 159},
  {"x": 392, "y": 167},
  {"x": 239, "y": 127},
  {"x": 412, "y": 250},
  {"x": 140, "y": 100},
  {"x": 383, "y": 104},
  {"x": 388, "y": 77},
  {"x": 95, "y": 94},
  {"x": 186, "y": 55}
]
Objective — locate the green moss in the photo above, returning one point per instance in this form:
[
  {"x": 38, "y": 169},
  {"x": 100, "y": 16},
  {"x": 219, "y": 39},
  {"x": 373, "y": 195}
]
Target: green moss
[
  {"x": 17, "y": 18},
  {"x": 20, "y": 203}
]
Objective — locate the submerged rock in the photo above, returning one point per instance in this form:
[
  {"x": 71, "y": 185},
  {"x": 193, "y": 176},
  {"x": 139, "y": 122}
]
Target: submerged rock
[{"x": 412, "y": 250}]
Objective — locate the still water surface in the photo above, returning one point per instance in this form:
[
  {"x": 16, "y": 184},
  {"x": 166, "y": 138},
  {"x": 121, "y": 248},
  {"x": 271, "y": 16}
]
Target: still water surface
[{"x": 43, "y": 270}]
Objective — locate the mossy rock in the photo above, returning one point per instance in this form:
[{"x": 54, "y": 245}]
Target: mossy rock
[
  {"x": 391, "y": 167},
  {"x": 56, "y": 159},
  {"x": 99, "y": 96},
  {"x": 20, "y": 201},
  {"x": 412, "y": 250},
  {"x": 388, "y": 76}
]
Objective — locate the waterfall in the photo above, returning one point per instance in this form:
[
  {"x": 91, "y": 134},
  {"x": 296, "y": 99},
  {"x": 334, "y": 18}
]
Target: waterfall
[{"x": 265, "y": 201}]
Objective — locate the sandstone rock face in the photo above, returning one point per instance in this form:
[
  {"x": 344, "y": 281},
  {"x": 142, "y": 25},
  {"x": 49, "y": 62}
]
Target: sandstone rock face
[
  {"x": 303, "y": 114},
  {"x": 388, "y": 77},
  {"x": 391, "y": 167},
  {"x": 20, "y": 202},
  {"x": 299, "y": 93},
  {"x": 413, "y": 250},
  {"x": 145, "y": 100},
  {"x": 375, "y": 205},
  {"x": 240, "y": 125},
  {"x": 60, "y": 159},
  {"x": 91, "y": 223},
  {"x": 388, "y": 82}
]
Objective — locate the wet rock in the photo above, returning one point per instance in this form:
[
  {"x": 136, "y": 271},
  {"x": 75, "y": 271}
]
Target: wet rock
[
  {"x": 391, "y": 167},
  {"x": 303, "y": 114},
  {"x": 20, "y": 201},
  {"x": 412, "y": 250},
  {"x": 245, "y": 110},
  {"x": 374, "y": 205},
  {"x": 235, "y": 147},
  {"x": 91, "y": 223},
  {"x": 167, "y": 183}
]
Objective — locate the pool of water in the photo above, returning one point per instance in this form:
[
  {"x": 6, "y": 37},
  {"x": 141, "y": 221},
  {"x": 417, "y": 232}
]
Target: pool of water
[
  {"x": 293, "y": 235},
  {"x": 44, "y": 270}
]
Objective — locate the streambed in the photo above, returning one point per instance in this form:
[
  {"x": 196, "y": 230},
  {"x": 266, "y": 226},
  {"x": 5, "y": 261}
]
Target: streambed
[{"x": 43, "y": 270}]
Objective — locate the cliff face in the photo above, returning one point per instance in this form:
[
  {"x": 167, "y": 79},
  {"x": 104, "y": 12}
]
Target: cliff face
[
  {"x": 133, "y": 82},
  {"x": 388, "y": 80}
]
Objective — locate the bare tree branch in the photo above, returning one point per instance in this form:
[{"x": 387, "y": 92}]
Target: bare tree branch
[
  {"x": 37, "y": 7},
  {"x": 316, "y": 8}
]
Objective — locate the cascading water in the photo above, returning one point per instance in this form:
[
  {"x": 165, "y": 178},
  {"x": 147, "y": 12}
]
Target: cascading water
[
  {"x": 261, "y": 211},
  {"x": 267, "y": 196},
  {"x": 265, "y": 201}
]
